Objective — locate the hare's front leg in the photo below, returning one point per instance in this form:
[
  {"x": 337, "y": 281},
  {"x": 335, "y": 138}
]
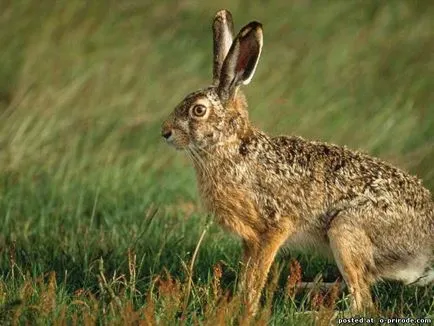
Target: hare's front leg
[{"x": 257, "y": 259}]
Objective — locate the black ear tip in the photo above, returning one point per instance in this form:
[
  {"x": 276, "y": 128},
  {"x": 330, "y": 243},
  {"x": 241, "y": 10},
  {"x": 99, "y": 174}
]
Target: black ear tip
[{"x": 253, "y": 26}]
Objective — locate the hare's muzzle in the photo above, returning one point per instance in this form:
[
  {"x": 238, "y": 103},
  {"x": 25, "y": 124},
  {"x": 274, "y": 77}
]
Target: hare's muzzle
[{"x": 166, "y": 131}]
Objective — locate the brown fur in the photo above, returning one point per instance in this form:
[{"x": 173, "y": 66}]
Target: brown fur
[{"x": 376, "y": 220}]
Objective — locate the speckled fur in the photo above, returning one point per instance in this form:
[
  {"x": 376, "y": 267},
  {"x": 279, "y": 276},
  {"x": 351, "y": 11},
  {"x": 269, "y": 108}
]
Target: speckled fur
[{"x": 376, "y": 220}]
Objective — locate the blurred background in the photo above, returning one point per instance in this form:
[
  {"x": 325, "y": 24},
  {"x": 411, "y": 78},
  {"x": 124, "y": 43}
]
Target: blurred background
[{"x": 85, "y": 86}]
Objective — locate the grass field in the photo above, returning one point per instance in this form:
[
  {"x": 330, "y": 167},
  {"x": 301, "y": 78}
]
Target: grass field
[{"x": 100, "y": 219}]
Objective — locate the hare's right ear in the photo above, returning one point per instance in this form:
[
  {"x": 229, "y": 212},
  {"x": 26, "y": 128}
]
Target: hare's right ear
[
  {"x": 223, "y": 31},
  {"x": 241, "y": 61}
]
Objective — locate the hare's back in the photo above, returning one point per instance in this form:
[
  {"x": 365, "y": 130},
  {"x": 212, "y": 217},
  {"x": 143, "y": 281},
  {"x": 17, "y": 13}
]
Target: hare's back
[{"x": 349, "y": 174}]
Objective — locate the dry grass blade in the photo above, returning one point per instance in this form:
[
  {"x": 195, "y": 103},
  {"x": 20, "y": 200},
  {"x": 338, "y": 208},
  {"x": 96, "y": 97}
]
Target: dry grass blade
[{"x": 190, "y": 270}]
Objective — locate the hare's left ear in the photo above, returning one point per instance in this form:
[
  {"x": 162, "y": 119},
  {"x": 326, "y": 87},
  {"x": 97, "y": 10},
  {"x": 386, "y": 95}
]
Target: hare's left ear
[
  {"x": 223, "y": 33},
  {"x": 240, "y": 63}
]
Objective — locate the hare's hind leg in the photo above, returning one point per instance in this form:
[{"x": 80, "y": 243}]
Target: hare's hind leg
[{"x": 352, "y": 251}]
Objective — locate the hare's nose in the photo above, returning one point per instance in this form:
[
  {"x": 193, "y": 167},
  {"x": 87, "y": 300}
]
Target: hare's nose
[{"x": 166, "y": 134}]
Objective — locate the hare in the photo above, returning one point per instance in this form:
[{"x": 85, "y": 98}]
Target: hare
[{"x": 375, "y": 220}]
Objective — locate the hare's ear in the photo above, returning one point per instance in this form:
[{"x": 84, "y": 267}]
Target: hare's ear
[
  {"x": 240, "y": 63},
  {"x": 223, "y": 33}
]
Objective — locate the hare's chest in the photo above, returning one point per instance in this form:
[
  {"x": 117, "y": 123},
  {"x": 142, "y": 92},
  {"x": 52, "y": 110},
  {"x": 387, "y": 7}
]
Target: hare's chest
[
  {"x": 233, "y": 208},
  {"x": 225, "y": 187}
]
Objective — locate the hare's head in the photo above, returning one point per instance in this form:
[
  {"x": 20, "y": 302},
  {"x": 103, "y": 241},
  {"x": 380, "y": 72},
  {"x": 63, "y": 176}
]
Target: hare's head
[{"x": 218, "y": 114}]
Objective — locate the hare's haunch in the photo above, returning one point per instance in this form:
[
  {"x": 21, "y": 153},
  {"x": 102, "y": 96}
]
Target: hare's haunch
[{"x": 376, "y": 220}]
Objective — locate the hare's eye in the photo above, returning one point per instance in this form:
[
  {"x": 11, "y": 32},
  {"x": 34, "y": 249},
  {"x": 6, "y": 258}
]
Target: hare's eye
[{"x": 198, "y": 110}]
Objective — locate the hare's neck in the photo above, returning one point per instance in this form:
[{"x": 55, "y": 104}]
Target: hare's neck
[
  {"x": 213, "y": 157},
  {"x": 226, "y": 154}
]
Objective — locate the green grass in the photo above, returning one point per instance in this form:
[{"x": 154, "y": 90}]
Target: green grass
[{"x": 100, "y": 218}]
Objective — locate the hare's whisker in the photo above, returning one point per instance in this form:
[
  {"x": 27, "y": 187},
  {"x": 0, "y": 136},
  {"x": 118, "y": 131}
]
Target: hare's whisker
[{"x": 202, "y": 165}]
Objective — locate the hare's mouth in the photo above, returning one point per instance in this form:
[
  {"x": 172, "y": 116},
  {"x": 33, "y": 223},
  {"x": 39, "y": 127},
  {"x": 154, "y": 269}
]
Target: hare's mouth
[
  {"x": 177, "y": 142},
  {"x": 171, "y": 142},
  {"x": 177, "y": 146}
]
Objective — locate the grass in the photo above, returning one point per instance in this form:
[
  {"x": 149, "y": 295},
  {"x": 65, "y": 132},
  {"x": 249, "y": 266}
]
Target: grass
[{"x": 100, "y": 219}]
